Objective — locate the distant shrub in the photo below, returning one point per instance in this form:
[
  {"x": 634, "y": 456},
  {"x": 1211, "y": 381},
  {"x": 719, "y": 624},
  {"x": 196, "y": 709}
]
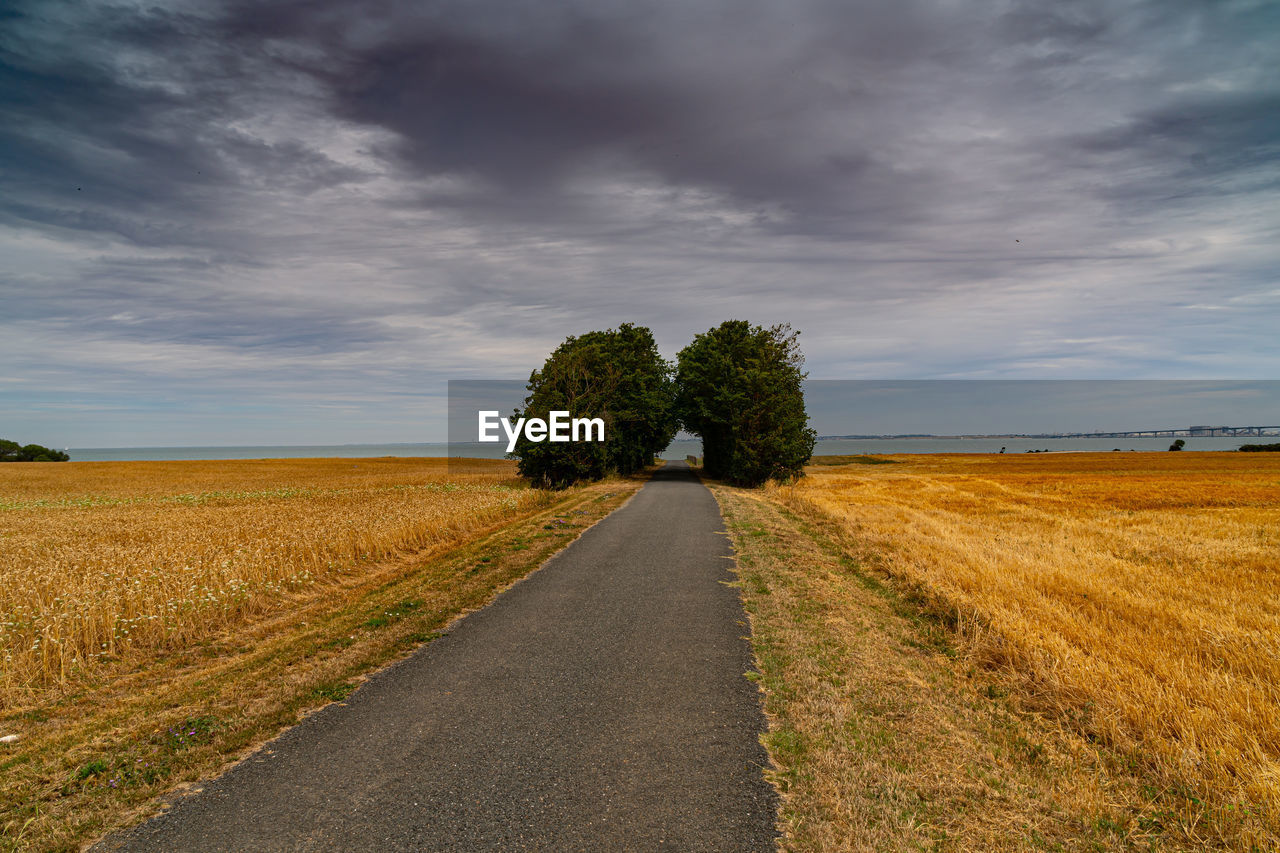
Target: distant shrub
[
  {"x": 1178, "y": 445},
  {"x": 1260, "y": 448},
  {"x": 11, "y": 451}
]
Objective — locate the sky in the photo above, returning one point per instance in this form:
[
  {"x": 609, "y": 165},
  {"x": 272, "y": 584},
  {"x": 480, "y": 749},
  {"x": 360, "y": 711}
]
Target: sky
[
  {"x": 875, "y": 407},
  {"x": 292, "y": 223}
]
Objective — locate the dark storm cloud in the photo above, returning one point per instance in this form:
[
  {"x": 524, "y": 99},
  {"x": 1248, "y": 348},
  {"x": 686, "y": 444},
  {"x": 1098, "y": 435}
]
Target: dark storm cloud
[
  {"x": 120, "y": 120},
  {"x": 808, "y": 109},
  {"x": 525, "y": 100},
  {"x": 298, "y": 195},
  {"x": 1228, "y": 145}
]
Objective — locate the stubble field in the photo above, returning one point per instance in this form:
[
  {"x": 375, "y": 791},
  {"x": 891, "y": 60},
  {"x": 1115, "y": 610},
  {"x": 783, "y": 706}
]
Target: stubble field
[{"x": 1133, "y": 597}]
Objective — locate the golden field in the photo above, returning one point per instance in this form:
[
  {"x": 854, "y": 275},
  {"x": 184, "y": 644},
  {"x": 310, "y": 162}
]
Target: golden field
[
  {"x": 233, "y": 597},
  {"x": 1135, "y": 598},
  {"x": 100, "y": 558}
]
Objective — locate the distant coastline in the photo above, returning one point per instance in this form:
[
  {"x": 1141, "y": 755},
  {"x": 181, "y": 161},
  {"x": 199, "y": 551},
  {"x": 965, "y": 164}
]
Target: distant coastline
[{"x": 826, "y": 446}]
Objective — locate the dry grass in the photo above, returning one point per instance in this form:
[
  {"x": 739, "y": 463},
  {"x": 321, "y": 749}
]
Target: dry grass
[
  {"x": 883, "y": 740},
  {"x": 1132, "y": 597},
  {"x": 99, "y": 560}
]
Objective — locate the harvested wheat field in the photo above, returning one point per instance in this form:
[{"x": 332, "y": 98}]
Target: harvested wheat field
[
  {"x": 1134, "y": 597},
  {"x": 98, "y": 559}
]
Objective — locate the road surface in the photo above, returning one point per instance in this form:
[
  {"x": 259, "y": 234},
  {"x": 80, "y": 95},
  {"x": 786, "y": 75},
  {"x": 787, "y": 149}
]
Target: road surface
[{"x": 600, "y": 704}]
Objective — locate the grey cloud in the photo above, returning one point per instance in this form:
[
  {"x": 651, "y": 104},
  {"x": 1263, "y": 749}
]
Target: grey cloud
[
  {"x": 1056, "y": 26},
  {"x": 710, "y": 105},
  {"x": 287, "y": 197},
  {"x": 1198, "y": 144},
  {"x": 809, "y": 120},
  {"x": 122, "y": 120}
]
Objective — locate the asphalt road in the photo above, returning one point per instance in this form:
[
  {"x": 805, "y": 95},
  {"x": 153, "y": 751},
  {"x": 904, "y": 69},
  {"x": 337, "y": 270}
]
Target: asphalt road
[{"x": 600, "y": 704}]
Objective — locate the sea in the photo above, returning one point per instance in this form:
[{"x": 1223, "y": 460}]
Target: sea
[{"x": 676, "y": 450}]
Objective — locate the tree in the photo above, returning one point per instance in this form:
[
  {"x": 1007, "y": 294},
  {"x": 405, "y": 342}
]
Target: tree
[
  {"x": 616, "y": 375},
  {"x": 1178, "y": 445},
  {"x": 11, "y": 451},
  {"x": 739, "y": 387}
]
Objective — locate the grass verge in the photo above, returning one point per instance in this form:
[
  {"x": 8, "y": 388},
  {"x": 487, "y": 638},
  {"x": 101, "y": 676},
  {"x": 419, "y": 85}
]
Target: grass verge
[
  {"x": 101, "y": 758},
  {"x": 884, "y": 737}
]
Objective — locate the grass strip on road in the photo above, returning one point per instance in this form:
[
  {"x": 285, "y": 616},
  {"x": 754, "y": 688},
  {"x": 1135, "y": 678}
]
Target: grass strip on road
[{"x": 100, "y": 758}]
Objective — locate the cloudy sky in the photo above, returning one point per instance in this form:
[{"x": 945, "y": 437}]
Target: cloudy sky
[{"x": 293, "y": 222}]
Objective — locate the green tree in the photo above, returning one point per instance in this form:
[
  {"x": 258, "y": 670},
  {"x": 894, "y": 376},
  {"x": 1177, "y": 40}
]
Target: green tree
[
  {"x": 39, "y": 453},
  {"x": 616, "y": 375},
  {"x": 11, "y": 451},
  {"x": 740, "y": 390}
]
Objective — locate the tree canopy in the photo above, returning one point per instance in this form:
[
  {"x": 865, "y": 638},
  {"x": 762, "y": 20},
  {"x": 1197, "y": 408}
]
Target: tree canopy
[
  {"x": 616, "y": 375},
  {"x": 740, "y": 390},
  {"x": 11, "y": 451}
]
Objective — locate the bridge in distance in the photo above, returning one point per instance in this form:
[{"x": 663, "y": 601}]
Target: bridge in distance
[
  {"x": 1174, "y": 432},
  {"x": 1196, "y": 431}
]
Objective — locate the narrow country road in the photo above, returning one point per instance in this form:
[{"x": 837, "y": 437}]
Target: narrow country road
[{"x": 598, "y": 705}]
